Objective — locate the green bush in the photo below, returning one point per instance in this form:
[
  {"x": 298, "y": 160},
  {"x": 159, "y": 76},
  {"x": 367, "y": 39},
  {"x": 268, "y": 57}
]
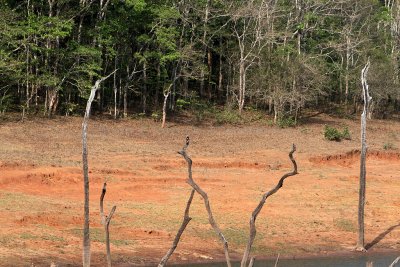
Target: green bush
[
  {"x": 333, "y": 134},
  {"x": 346, "y": 133},
  {"x": 286, "y": 122},
  {"x": 227, "y": 117},
  {"x": 388, "y": 146}
]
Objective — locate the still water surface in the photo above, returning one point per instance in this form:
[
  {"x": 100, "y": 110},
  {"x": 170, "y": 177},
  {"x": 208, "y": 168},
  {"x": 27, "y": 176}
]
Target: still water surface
[{"x": 349, "y": 261}]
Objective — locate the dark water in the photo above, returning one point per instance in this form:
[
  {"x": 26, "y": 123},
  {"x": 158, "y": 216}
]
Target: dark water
[{"x": 348, "y": 261}]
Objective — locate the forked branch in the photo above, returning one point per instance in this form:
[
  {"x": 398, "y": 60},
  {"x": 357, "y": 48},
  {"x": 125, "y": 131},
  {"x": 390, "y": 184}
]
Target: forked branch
[
  {"x": 203, "y": 194},
  {"x": 257, "y": 210},
  {"x": 105, "y": 221},
  {"x": 185, "y": 222}
]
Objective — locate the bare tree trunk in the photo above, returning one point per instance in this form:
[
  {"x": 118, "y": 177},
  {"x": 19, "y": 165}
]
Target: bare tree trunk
[
  {"x": 346, "y": 77},
  {"x": 144, "y": 93},
  {"x": 361, "y": 201},
  {"x": 105, "y": 221},
  {"x": 115, "y": 88},
  {"x": 255, "y": 213},
  {"x": 86, "y": 234},
  {"x": 203, "y": 194},
  {"x": 242, "y": 85},
  {"x": 202, "y": 74},
  {"x": 185, "y": 222},
  {"x": 164, "y": 109}
]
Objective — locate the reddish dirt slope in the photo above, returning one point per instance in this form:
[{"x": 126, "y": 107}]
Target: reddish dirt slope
[{"x": 41, "y": 190}]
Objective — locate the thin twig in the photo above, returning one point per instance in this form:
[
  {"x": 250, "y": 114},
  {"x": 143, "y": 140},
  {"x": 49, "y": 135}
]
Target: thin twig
[
  {"x": 185, "y": 222},
  {"x": 203, "y": 194},
  {"x": 257, "y": 210}
]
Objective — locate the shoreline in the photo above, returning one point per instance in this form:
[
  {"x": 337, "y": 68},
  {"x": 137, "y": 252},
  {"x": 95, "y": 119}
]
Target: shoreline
[{"x": 305, "y": 256}]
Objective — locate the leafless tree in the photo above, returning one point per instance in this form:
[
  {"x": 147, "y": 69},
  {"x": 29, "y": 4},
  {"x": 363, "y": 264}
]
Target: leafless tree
[
  {"x": 86, "y": 234},
  {"x": 185, "y": 222},
  {"x": 203, "y": 194},
  {"x": 361, "y": 201},
  {"x": 105, "y": 221},
  {"x": 250, "y": 28},
  {"x": 167, "y": 92},
  {"x": 257, "y": 210}
]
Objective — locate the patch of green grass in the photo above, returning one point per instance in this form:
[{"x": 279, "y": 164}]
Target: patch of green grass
[
  {"x": 388, "y": 146},
  {"x": 238, "y": 236},
  {"x": 96, "y": 235},
  {"x": 345, "y": 225},
  {"x": 23, "y": 202},
  {"x": 28, "y": 236},
  {"x": 120, "y": 243},
  {"x": 53, "y": 238}
]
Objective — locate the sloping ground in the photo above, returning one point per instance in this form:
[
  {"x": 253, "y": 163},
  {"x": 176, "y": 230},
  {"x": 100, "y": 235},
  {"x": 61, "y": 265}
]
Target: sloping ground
[{"x": 41, "y": 190}]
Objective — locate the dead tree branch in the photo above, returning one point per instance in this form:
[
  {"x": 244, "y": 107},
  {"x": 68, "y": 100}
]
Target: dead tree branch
[
  {"x": 86, "y": 234},
  {"x": 395, "y": 262},
  {"x": 105, "y": 221},
  {"x": 203, "y": 194},
  {"x": 185, "y": 222},
  {"x": 363, "y": 171},
  {"x": 257, "y": 210}
]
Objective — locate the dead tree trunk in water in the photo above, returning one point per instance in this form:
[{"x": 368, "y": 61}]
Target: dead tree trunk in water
[
  {"x": 185, "y": 222},
  {"x": 255, "y": 213},
  {"x": 105, "y": 221},
  {"x": 203, "y": 194},
  {"x": 361, "y": 200},
  {"x": 86, "y": 235}
]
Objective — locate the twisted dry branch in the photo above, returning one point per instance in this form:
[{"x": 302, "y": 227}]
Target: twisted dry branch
[
  {"x": 257, "y": 210},
  {"x": 185, "y": 222},
  {"x": 203, "y": 194}
]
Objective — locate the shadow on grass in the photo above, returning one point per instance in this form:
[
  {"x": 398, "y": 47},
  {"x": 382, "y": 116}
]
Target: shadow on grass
[{"x": 381, "y": 236}]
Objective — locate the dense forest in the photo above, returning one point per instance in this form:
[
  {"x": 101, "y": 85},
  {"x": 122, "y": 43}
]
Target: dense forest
[{"x": 278, "y": 56}]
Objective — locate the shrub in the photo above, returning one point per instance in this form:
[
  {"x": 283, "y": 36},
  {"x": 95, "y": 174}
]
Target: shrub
[
  {"x": 227, "y": 116},
  {"x": 346, "y": 133},
  {"x": 286, "y": 122},
  {"x": 333, "y": 134},
  {"x": 388, "y": 146}
]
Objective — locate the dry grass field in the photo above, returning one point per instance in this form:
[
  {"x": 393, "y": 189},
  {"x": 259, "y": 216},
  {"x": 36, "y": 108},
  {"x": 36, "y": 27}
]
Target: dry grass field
[{"x": 315, "y": 213}]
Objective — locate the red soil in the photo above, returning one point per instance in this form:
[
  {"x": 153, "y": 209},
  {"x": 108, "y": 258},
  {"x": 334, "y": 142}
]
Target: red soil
[{"x": 41, "y": 190}]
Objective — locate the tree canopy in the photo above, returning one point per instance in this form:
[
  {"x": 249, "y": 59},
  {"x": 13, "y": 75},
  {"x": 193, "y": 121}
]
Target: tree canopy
[{"x": 279, "y": 56}]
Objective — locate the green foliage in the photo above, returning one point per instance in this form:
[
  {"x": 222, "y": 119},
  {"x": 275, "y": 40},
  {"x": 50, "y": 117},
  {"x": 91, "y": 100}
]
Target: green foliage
[
  {"x": 182, "y": 103},
  {"x": 228, "y": 116},
  {"x": 333, "y": 134},
  {"x": 286, "y": 122},
  {"x": 388, "y": 146},
  {"x": 68, "y": 48},
  {"x": 5, "y": 102},
  {"x": 346, "y": 133}
]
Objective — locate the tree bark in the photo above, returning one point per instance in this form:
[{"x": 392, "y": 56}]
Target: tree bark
[
  {"x": 361, "y": 200},
  {"x": 203, "y": 194},
  {"x": 164, "y": 109},
  {"x": 105, "y": 221},
  {"x": 86, "y": 234},
  {"x": 185, "y": 222},
  {"x": 257, "y": 210}
]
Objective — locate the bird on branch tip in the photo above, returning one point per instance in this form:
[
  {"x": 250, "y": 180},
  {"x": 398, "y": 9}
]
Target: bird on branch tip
[{"x": 187, "y": 140}]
